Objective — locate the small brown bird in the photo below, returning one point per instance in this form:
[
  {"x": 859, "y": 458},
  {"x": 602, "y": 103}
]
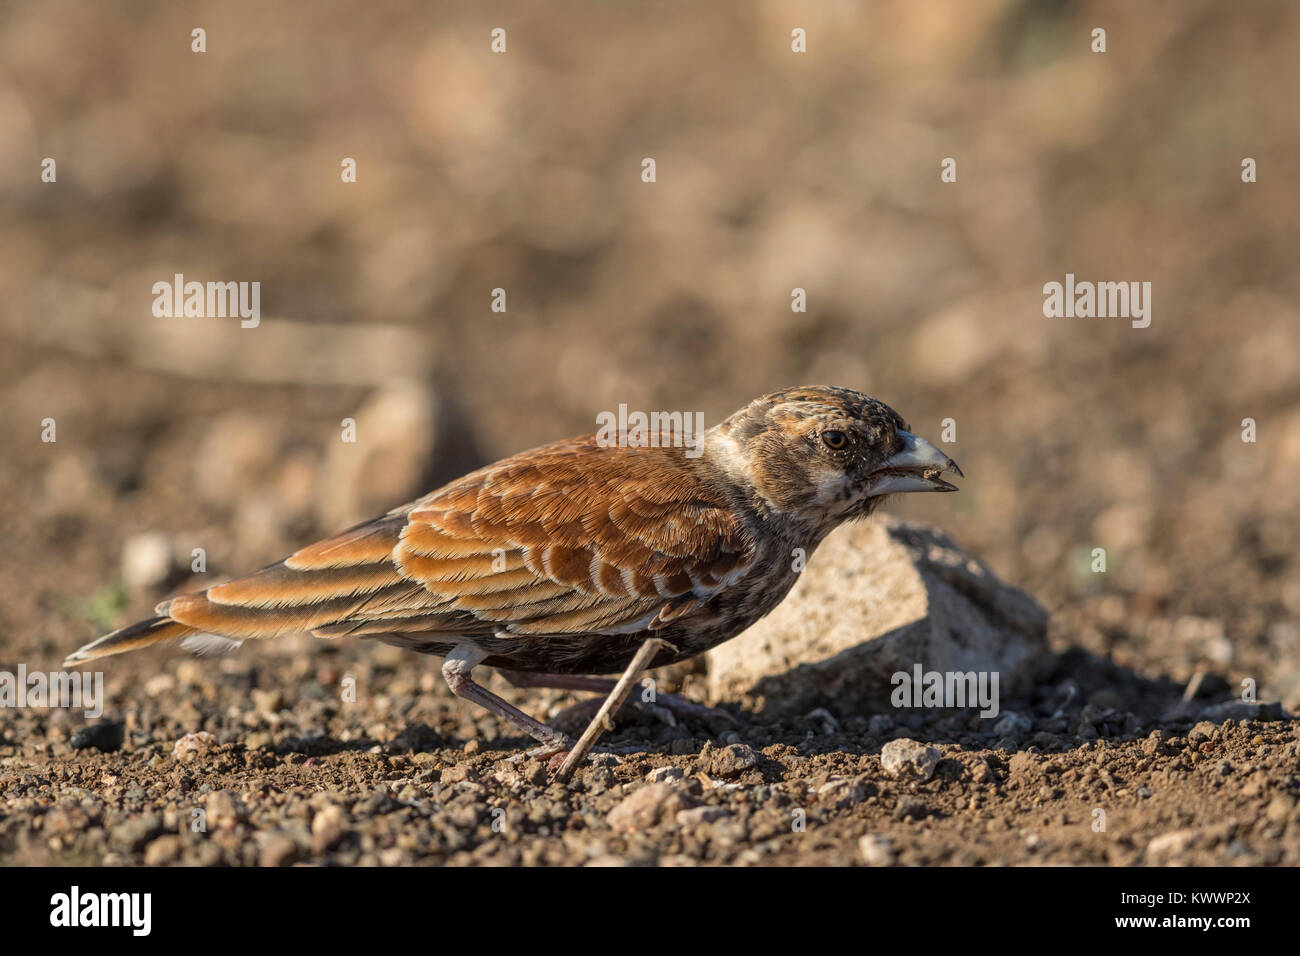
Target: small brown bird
[{"x": 558, "y": 563}]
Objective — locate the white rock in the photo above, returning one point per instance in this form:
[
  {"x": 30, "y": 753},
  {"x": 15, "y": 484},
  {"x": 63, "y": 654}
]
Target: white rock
[
  {"x": 327, "y": 827},
  {"x": 879, "y": 597},
  {"x": 646, "y": 807},
  {"x": 665, "y": 775},
  {"x": 159, "y": 684},
  {"x": 146, "y": 560},
  {"x": 1170, "y": 844},
  {"x": 877, "y": 849},
  {"x": 907, "y": 758},
  {"x": 195, "y": 743}
]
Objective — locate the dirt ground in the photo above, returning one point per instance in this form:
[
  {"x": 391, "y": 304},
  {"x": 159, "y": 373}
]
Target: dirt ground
[
  {"x": 284, "y": 771},
  {"x": 776, "y": 171}
]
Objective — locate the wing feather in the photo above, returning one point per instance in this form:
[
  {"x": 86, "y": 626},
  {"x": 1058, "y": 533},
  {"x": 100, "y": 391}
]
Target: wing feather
[
  {"x": 604, "y": 551},
  {"x": 570, "y": 538}
]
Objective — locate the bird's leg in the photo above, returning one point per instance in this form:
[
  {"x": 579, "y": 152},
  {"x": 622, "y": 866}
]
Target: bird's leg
[
  {"x": 664, "y": 706},
  {"x": 601, "y": 722},
  {"x": 456, "y": 668}
]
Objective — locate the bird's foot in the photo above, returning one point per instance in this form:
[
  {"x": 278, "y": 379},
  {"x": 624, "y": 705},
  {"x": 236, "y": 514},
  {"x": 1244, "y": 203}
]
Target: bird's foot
[
  {"x": 548, "y": 751},
  {"x": 665, "y": 708}
]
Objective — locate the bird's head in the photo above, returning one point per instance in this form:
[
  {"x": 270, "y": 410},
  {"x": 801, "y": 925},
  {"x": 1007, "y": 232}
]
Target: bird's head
[{"x": 826, "y": 453}]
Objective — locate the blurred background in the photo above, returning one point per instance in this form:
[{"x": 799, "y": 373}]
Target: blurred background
[{"x": 775, "y": 171}]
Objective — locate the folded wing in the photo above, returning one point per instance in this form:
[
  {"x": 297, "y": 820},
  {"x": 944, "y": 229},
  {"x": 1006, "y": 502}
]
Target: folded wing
[{"x": 571, "y": 538}]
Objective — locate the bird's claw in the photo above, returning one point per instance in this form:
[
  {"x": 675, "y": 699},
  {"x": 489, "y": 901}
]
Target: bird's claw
[
  {"x": 665, "y": 708},
  {"x": 547, "y": 751}
]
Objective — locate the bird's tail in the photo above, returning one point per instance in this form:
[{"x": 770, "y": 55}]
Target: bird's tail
[
  {"x": 153, "y": 630},
  {"x": 313, "y": 588}
]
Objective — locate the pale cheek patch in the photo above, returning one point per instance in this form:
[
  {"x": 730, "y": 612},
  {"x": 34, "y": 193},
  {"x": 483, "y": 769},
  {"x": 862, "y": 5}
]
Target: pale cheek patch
[
  {"x": 727, "y": 452},
  {"x": 830, "y": 484}
]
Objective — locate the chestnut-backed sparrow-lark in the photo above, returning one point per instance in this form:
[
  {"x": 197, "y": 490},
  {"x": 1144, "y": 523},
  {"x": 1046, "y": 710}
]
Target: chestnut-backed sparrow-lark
[{"x": 560, "y": 562}]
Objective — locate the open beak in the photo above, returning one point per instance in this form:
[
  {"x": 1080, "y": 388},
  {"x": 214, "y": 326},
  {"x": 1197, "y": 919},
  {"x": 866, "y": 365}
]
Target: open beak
[{"x": 916, "y": 468}]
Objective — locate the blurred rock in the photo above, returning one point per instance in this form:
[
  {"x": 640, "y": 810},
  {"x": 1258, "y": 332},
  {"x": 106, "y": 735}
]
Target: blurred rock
[
  {"x": 238, "y": 452},
  {"x": 106, "y": 736},
  {"x": 1011, "y": 723},
  {"x": 261, "y": 527},
  {"x": 646, "y": 807},
  {"x": 327, "y": 827},
  {"x": 193, "y": 744},
  {"x": 71, "y": 483},
  {"x": 146, "y": 560},
  {"x": 225, "y": 809},
  {"x": 697, "y": 815},
  {"x": 407, "y": 441},
  {"x": 135, "y": 833},
  {"x": 278, "y": 849},
  {"x": 877, "y": 598},
  {"x": 877, "y": 849},
  {"x": 955, "y": 344},
  {"x": 159, "y": 685},
  {"x": 1170, "y": 845},
  {"x": 166, "y": 849}
]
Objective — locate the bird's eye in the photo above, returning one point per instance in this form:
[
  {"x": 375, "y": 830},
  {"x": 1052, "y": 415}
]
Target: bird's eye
[{"x": 835, "y": 440}]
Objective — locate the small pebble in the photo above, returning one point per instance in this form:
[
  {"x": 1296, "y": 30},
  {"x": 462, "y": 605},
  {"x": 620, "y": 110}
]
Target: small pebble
[
  {"x": 907, "y": 758},
  {"x": 876, "y": 849}
]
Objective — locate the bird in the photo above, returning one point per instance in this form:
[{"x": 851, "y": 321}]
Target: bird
[{"x": 555, "y": 565}]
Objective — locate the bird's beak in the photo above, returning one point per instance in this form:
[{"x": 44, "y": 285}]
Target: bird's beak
[{"x": 916, "y": 468}]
